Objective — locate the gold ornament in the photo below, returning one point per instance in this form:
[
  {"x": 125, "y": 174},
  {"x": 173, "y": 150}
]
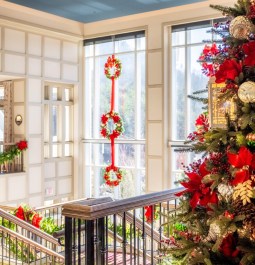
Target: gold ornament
[
  {"x": 240, "y": 27},
  {"x": 246, "y": 92},
  {"x": 250, "y": 137}
]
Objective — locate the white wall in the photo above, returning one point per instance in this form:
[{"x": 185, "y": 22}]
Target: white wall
[
  {"x": 155, "y": 23},
  {"x": 36, "y": 54}
]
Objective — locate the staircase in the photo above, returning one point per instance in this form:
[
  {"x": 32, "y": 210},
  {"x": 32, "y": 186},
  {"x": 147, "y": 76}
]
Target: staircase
[{"x": 97, "y": 231}]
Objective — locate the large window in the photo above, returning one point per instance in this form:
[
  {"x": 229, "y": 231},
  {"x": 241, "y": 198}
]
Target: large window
[
  {"x": 129, "y": 103},
  {"x": 185, "y": 47}
]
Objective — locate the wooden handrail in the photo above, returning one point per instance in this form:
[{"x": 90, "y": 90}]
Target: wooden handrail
[
  {"x": 28, "y": 227},
  {"x": 32, "y": 243},
  {"x": 84, "y": 201},
  {"x": 85, "y": 212}
]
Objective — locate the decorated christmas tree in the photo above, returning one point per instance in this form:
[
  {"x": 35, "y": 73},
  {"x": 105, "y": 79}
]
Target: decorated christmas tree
[{"x": 215, "y": 222}]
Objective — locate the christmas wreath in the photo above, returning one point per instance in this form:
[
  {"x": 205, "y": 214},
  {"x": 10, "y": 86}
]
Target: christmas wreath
[
  {"x": 119, "y": 129},
  {"x": 112, "y": 67},
  {"x": 107, "y": 175}
]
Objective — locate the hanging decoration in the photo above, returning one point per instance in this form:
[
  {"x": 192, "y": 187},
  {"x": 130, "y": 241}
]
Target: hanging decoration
[{"x": 112, "y": 174}]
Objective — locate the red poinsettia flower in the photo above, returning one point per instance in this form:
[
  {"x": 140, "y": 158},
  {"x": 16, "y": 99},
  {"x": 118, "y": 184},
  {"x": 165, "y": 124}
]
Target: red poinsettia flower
[
  {"x": 228, "y": 70},
  {"x": 228, "y": 246},
  {"x": 201, "y": 194},
  {"x": 114, "y": 134},
  {"x": 20, "y": 213},
  {"x": 103, "y": 132},
  {"x": 22, "y": 145},
  {"x": 150, "y": 213},
  {"x": 104, "y": 118},
  {"x": 249, "y": 50},
  {"x": 36, "y": 220},
  {"x": 244, "y": 160}
]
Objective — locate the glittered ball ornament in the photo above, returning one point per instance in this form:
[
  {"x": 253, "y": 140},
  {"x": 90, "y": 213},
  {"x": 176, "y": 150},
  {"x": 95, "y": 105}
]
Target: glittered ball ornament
[
  {"x": 240, "y": 27},
  {"x": 250, "y": 137},
  {"x": 246, "y": 92},
  {"x": 225, "y": 191}
]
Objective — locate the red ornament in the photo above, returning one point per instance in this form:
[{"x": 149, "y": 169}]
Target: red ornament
[
  {"x": 249, "y": 50},
  {"x": 228, "y": 246}
]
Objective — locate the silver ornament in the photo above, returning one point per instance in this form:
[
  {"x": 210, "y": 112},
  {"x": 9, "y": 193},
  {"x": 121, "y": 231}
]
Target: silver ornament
[
  {"x": 225, "y": 191},
  {"x": 240, "y": 27},
  {"x": 214, "y": 232},
  {"x": 246, "y": 92}
]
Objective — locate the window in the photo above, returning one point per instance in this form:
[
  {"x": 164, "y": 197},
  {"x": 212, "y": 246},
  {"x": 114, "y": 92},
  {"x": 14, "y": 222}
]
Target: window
[
  {"x": 186, "y": 78},
  {"x": 58, "y": 113},
  {"x": 129, "y": 103}
]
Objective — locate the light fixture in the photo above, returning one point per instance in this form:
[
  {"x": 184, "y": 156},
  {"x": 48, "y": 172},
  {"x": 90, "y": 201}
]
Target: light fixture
[{"x": 18, "y": 119}]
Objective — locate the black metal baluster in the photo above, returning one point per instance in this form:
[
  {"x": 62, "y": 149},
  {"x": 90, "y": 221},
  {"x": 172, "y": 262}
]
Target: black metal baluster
[
  {"x": 79, "y": 241},
  {"x": 124, "y": 237},
  {"x": 96, "y": 241},
  {"x": 68, "y": 241},
  {"x": 114, "y": 239},
  {"x": 138, "y": 246},
  {"x": 144, "y": 239},
  {"x": 106, "y": 235},
  {"x": 168, "y": 210},
  {"x": 152, "y": 234},
  {"x": 101, "y": 238},
  {"x": 134, "y": 212},
  {"x": 74, "y": 241},
  {"x": 160, "y": 227},
  {"x": 90, "y": 256},
  {"x": 131, "y": 244}
]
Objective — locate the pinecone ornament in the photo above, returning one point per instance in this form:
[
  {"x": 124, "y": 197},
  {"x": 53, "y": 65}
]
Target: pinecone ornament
[
  {"x": 248, "y": 210},
  {"x": 225, "y": 191}
]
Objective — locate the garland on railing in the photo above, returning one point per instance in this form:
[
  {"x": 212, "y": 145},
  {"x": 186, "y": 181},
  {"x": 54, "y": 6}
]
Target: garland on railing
[
  {"x": 14, "y": 151},
  {"x": 28, "y": 214}
]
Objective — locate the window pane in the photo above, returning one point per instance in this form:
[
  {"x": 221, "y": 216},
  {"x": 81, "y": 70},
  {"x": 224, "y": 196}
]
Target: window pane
[
  {"x": 103, "y": 48},
  {"x": 55, "y": 120},
  {"x": 54, "y": 93},
  {"x": 178, "y": 38},
  {"x": 125, "y": 45},
  {"x": 198, "y": 35},
  {"x": 68, "y": 123},
  {"x": 68, "y": 149},
  {"x": 178, "y": 94}
]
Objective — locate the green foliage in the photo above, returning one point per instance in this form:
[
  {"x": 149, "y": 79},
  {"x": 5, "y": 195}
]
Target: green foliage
[{"x": 49, "y": 226}]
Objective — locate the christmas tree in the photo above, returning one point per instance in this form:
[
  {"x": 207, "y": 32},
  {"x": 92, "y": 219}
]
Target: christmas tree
[{"x": 215, "y": 222}]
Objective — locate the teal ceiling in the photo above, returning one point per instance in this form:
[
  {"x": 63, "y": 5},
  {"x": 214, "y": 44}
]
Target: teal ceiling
[{"x": 95, "y": 10}]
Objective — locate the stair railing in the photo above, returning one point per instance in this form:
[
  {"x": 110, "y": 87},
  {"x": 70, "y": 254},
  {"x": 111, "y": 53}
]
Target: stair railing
[{"x": 138, "y": 221}]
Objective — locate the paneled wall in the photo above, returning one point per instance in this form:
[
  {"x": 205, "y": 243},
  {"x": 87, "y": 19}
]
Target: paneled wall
[{"x": 31, "y": 56}]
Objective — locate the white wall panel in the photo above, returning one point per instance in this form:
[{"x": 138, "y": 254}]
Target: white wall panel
[
  {"x": 17, "y": 187},
  {"x": 14, "y": 40},
  {"x": 0, "y": 38},
  {"x": 155, "y": 139},
  {"x": 49, "y": 170},
  {"x": 64, "y": 186},
  {"x": 34, "y": 150},
  {"x": 19, "y": 110},
  {"x": 34, "y": 44},
  {"x": 52, "y": 69},
  {"x": 154, "y": 68},
  {"x": 70, "y": 52},
  {"x": 35, "y": 119},
  {"x": 34, "y": 90},
  {"x": 155, "y": 176},
  {"x": 35, "y": 180},
  {"x": 19, "y": 91},
  {"x": 51, "y": 48},
  {"x": 3, "y": 189},
  {"x": 50, "y": 188},
  {"x": 35, "y": 201},
  {"x": 65, "y": 168},
  {"x": 70, "y": 72},
  {"x": 155, "y": 104},
  {"x": 34, "y": 66},
  {"x": 14, "y": 64}
]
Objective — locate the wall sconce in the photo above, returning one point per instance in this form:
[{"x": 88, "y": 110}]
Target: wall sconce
[{"x": 18, "y": 119}]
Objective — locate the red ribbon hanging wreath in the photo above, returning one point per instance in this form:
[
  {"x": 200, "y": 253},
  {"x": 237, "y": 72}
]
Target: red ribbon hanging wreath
[{"x": 112, "y": 70}]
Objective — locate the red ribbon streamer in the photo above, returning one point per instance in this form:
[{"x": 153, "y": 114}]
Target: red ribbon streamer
[
  {"x": 113, "y": 152},
  {"x": 113, "y": 94}
]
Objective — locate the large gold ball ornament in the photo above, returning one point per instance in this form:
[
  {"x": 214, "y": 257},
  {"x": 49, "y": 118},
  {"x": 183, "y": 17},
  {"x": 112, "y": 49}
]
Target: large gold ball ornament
[
  {"x": 246, "y": 92},
  {"x": 240, "y": 27},
  {"x": 250, "y": 137}
]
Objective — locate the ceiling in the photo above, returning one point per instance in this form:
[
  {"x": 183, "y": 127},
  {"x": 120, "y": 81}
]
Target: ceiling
[{"x": 95, "y": 10}]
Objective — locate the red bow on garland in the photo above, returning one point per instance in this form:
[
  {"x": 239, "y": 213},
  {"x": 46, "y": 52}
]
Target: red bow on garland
[
  {"x": 243, "y": 161},
  {"x": 201, "y": 193}
]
